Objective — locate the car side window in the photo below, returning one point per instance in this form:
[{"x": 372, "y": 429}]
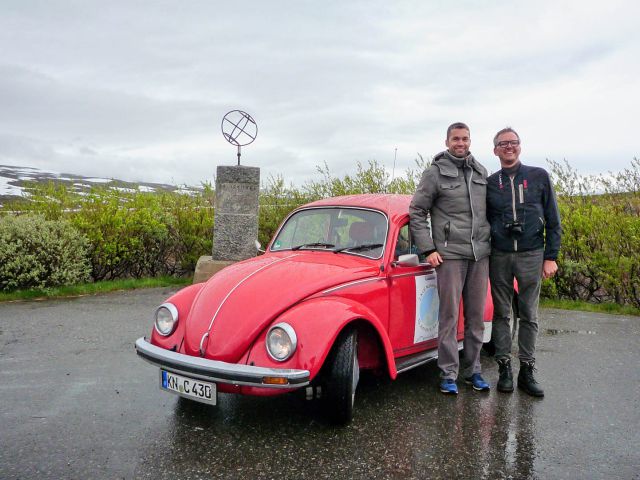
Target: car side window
[{"x": 405, "y": 245}]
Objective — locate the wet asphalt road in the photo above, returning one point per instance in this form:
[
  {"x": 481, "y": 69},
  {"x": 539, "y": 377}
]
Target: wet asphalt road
[{"x": 76, "y": 402}]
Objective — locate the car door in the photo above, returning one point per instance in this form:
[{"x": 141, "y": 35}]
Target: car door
[{"x": 413, "y": 300}]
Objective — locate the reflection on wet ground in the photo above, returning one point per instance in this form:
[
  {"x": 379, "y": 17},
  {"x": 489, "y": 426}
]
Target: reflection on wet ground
[
  {"x": 557, "y": 331},
  {"x": 402, "y": 429},
  {"x": 77, "y": 403}
]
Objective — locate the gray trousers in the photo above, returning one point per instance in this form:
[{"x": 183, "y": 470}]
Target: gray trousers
[
  {"x": 466, "y": 279},
  {"x": 526, "y": 268}
]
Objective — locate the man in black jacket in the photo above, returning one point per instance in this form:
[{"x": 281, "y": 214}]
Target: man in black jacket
[{"x": 525, "y": 240}]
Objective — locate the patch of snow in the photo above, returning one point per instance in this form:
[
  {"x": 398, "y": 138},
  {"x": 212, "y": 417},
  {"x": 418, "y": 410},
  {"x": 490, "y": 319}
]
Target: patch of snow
[
  {"x": 97, "y": 180},
  {"x": 10, "y": 175},
  {"x": 19, "y": 169},
  {"x": 186, "y": 191},
  {"x": 7, "y": 189},
  {"x": 27, "y": 178}
]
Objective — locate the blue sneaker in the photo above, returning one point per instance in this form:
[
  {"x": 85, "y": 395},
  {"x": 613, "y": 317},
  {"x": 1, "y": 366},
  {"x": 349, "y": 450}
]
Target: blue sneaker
[
  {"x": 478, "y": 382},
  {"x": 448, "y": 386}
]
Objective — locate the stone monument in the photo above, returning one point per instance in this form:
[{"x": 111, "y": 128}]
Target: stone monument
[{"x": 235, "y": 228}]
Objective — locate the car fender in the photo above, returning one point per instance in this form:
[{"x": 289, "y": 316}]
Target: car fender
[
  {"x": 182, "y": 300},
  {"x": 317, "y": 323}
]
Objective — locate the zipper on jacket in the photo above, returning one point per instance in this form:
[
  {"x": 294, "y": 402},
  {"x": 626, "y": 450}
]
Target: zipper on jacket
[
  {"x": 473, "y": 249},
  {"x": 447, "y": 230},
  {"x": 513, "y": 208}
]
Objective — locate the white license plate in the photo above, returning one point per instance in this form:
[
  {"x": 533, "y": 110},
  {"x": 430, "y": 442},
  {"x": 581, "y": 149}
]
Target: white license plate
[{"x": 188, "y": 387}]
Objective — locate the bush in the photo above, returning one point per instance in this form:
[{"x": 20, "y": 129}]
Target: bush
[
  {"x": 276, "y": 202},
  {"x": 372, "y": 179},
  {"x": 127, "y": 234},
  {"x": 600, "y": 255},
  {"x": 189, "y": 221},
  {"x": 136, "y": 234},
  {"x": 38, "y": 253},
  {"x": 131, "y": 234},
  {"x": 144, "y": 234}
]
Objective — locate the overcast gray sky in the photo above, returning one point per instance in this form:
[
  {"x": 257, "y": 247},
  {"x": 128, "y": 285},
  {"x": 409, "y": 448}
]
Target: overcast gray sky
[{"x": 137, "y": 89}]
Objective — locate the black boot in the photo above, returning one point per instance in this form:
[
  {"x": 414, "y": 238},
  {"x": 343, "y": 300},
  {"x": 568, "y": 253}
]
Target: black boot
[
  {"x": 526, "y": 380},
  {"x": 505, "y": 382}
]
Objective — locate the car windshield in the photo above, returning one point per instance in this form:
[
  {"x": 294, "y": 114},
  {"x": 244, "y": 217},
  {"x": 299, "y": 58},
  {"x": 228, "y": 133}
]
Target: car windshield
[{"x": 354, "y": 231}]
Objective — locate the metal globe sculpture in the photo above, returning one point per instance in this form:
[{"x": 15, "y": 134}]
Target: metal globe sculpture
[{"x": 239, "y": 129}]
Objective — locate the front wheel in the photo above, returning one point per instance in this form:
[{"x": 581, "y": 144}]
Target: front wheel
[{"x": 343, "y": 376}]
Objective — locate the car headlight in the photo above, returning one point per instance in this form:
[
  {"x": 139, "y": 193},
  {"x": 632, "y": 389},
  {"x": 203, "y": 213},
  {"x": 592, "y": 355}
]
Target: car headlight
[
  {"x": 281, "y": 341},
  {"x": 166, "y": 319}
]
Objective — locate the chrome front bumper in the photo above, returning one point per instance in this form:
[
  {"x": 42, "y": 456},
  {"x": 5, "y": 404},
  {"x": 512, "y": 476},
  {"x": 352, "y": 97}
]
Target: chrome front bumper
[{"x": 220, "y": 372}]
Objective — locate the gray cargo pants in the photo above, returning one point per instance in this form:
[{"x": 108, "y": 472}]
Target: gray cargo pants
[
  {"x": 466, "y": 279},
  {"x": 526, "y": 268}
]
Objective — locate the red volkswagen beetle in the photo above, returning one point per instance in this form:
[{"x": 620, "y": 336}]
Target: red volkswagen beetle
[{"x": 340, "y": 289}]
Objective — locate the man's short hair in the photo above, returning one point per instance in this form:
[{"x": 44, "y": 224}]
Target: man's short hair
[
  {"x": 453, "y": 126},
  {"x": 504, "y": 130}
]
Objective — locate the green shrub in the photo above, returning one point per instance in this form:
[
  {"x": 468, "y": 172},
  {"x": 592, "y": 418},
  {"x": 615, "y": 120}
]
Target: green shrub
[
  {"x": 144, "y": 234},
  {"x": 136, "y": 234},
  {"x": 276, "y": 202},
  {"x": 127, "y": 234},
  {"x": 40, "y": 253},
  {"x": 600, "y": 255},
  {"x": 131, "y": 234},
  {"x": 51, "y": 200},
  {"x": 372, "y": 179},
  {"x": 189, "y": 220}
]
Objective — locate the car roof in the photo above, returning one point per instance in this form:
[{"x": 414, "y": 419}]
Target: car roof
[{"x": 394, "y": 205}]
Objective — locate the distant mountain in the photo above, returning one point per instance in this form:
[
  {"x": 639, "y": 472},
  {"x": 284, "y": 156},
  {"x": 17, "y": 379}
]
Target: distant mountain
[{"x": 13, "y": 180}]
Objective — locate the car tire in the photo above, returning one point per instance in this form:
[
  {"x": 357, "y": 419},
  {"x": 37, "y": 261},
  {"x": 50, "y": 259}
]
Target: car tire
[{"x": 342, "y": 378}]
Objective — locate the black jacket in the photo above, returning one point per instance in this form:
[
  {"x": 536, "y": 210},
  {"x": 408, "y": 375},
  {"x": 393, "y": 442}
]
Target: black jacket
[{"x": 536, "y": 223}]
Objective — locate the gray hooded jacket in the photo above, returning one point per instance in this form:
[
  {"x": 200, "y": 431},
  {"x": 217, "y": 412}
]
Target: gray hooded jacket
[{"x": 453, "y": 190}]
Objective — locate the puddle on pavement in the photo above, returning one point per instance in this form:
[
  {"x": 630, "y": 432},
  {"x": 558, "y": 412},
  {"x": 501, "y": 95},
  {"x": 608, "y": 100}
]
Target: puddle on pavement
[{"x": 558, "y": 331}]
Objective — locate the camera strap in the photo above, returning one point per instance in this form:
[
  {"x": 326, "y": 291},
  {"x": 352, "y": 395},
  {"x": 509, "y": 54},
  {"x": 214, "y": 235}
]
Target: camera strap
[
  {"x": 521, "y": 193},
  {"x": 522, "y": 187}
]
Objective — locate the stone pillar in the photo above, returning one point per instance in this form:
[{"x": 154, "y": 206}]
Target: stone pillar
[{"x": 235, "y": 227}]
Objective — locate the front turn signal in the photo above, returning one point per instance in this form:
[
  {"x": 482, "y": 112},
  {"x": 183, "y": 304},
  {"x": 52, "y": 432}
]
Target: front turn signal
[{"x": 275, "y": 381}]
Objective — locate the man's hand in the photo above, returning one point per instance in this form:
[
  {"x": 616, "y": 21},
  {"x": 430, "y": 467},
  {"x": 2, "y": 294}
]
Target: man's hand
[
  {"x": 435, "y": 259},
  {"x": 549, "y": 268}
]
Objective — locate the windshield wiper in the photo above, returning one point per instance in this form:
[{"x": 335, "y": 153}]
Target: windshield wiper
[
  {"x": 357, "y": 248},
  {"x": 316, "y": 244}
]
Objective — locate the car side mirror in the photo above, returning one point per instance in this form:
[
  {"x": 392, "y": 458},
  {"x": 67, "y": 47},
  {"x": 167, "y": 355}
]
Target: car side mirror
[
  {"x": 259, "y": 247},
  {"x": 407, "y": 260}
]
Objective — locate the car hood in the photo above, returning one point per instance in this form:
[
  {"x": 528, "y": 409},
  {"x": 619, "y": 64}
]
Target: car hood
[{"x": 240, "y": 301}]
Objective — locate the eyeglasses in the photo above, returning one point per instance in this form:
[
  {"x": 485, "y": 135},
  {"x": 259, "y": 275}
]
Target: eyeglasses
[{"x": 506, "y": 143}]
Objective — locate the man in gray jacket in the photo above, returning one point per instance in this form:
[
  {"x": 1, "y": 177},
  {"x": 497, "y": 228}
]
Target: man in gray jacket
[{"x": 457, "y": 242}]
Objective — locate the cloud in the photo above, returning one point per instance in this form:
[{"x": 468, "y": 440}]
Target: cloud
[{"x": 138, "y": 89}]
